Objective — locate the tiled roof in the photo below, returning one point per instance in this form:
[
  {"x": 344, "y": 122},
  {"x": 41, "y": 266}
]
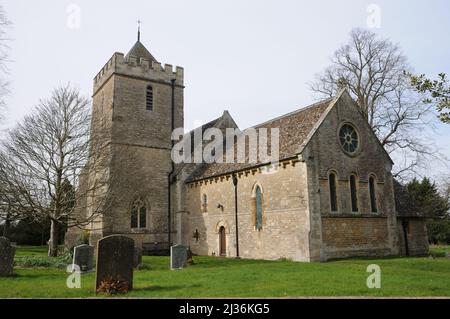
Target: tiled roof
[
  {"x": 294, "y": 128},
  {"x": 140, "y": 51}
]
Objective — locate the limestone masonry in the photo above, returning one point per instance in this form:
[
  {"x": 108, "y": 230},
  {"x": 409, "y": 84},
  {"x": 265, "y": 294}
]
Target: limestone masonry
[{"x": 330, "y": 195}]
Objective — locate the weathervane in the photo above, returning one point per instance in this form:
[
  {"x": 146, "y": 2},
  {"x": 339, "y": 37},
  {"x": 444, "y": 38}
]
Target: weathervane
[{"x": 139, "y": 29}]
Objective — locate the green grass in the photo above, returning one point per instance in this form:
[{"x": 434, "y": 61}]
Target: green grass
[
  {"x": 26, "y": 251},
  {"x": 221, "y": 277},
  {"x": 439, "y": 250}
]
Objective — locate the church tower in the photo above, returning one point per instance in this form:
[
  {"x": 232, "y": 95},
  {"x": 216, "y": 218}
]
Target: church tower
[{"x": 138, "y": 102}]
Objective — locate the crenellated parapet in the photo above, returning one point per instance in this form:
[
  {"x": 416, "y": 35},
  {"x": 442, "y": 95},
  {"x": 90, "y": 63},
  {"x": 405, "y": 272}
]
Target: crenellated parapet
[{"x": 139, "y": 68}]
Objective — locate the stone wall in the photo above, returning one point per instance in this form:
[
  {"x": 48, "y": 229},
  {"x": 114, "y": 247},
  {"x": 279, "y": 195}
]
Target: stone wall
[
  {"x": 350, "y": 236},
  {"x": 416, "y": 234},
  {"x": 139, "y": 144},
  {"x": 285, "y": 228},
  {"x": 323, "y": 154}
]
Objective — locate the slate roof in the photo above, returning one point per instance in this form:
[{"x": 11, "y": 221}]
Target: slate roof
[
  {"x": 140, "y": 51},
  {"x": 294, "y": 127}
]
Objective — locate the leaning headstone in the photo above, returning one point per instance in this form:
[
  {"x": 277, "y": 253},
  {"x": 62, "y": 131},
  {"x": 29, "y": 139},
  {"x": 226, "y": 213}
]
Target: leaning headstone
[
  {"x": 178, "y": 256},
  {"x": 114, "y": 273},
  {"x": 137, "y": 260},
  {"x": 83, "y": 256},
  {"x": 447, "y": 255},
  {"x": 7, "y": 252}
]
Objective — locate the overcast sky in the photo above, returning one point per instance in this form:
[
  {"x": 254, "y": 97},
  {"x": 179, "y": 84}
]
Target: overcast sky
[{"x": 253, "y": 58}]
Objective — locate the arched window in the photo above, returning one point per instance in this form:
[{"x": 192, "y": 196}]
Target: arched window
[
  {"x": 372, "y": 194},
  {"x": 333, "y": 194},
  {"x": 205, "y": 203},
  {"x": 258, "y": 200},
  {"x": 353, "y": 193},
  {"x": 138, "y": 215},
  {"x": 149, "y": 98}
]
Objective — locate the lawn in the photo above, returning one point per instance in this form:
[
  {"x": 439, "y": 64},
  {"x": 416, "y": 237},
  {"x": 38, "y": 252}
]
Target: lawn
[
  {"x": 221, "y": 277},
  {"x": 24, "y": 251},
  {"x": 439, "y": 250}
]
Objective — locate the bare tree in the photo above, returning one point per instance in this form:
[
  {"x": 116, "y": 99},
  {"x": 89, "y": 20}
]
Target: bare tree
[
  {"x": 373, "y": 70},
  {"x": 8, "y": 214},
  {"x": 4, "y": 24},
  {"x": 45, "y": 155}
]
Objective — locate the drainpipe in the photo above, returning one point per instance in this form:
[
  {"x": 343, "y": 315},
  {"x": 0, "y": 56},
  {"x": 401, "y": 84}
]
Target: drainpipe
[
  {"x": 405, "y": 236},
  {"x": 169, "y": 177},
  {"x": 235, "y": 183}
]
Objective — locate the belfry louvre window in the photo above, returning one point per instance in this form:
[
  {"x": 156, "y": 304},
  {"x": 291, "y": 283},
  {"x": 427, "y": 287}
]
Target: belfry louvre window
[
  {"x": 138, "y": 215},
  {"x": 333, "y": 194},
  {"x": 372, "y": 193},
  {"x": 149, "y": 98},
  {"x": 353, "y": 193},
  {"x": 205, "y": 203}
]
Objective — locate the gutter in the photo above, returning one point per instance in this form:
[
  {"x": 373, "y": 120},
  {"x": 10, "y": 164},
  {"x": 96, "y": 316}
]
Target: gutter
[{"x": 169, "y": 176}]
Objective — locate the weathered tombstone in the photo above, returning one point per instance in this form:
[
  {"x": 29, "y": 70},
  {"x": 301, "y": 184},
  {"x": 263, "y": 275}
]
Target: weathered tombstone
[
  {"x": 137, "y": 260},
  {"x": 83, "y": 256},
  {"x": 178, "y": 256},
  {"x": 115, "y": 256},
  {"x": 190, "y": 259},
  {"x": 7, "y": 252},
  {"x": 447, "y": 255}
]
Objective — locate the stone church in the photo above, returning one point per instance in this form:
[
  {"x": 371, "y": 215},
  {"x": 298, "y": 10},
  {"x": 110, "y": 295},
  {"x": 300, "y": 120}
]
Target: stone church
[{"x": 330, "y": 195}]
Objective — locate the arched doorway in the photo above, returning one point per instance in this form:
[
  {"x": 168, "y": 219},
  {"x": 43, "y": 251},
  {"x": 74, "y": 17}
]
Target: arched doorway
[{"x": 222, "y": 241}]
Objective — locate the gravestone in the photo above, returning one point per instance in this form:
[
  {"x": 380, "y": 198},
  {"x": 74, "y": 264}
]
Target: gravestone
[
  {"x": 178, "y": 256},
  {"x": 137, "y": 260},
  {"x": 190, "y": 259},
  {"x": 447, "y": 255},
  {"x": 7, "y": 252},
  {"x": 115, "y": 256},
  {"x": 83, "y": 256}
]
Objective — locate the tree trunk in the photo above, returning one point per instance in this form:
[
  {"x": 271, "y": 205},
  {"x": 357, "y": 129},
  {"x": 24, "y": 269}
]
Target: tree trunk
[
  {"x": 54, "y": 239},
  {"x": 7, "y": 225}
]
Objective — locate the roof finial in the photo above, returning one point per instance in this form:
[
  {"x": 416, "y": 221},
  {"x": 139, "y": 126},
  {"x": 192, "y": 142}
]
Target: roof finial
[{"x": 139, "y": 29}]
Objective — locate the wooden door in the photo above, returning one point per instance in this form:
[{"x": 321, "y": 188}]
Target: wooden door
[{"x": 222, "y": 241}]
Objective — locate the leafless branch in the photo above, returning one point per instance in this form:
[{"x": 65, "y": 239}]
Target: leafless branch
[
  {"x": 373, "y": 70},
  {"x": 4, "y": 50}
]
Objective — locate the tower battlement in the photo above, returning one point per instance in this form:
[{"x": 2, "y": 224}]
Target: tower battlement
[{"x": 140, "y": 68}]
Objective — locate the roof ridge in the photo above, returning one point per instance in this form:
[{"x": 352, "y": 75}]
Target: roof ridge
[
  {"x": 295, "y": 111},
  {"x": 205, "y": 124}
]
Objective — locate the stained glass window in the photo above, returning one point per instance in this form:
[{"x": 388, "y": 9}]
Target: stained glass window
[
  {"x": 353, "y": 193},
  {"x": 258, "y": 198},
  {"x": 372, "y": 193},
  {"x": 348, "y": 137},
  {"x": 142, "y": 217},
  {"x": 134, "y": 219},
  {"x": 138, "y": 214},
  {"x": 333, "y": 196}
]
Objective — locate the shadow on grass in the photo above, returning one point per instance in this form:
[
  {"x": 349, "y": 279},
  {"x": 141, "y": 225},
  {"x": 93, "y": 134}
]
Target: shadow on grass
[
  {"x": 163, "y": 288},
  {"x": 30, "y": 275},
  {"x": 356, "y": 258}
]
